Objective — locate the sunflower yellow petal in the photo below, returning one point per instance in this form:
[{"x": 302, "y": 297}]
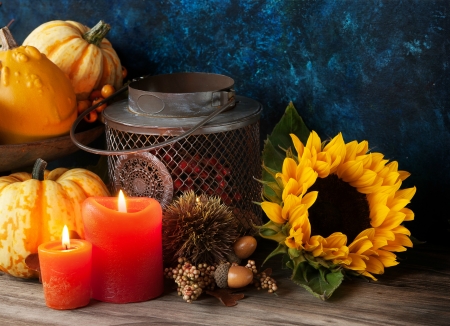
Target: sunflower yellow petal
[
  {"x": 367, "y": 179},
  {"x": 403, "y": 175},
  {"x": 402, "y": 230},
  {"x": 310, "y": 198},
  {"x": 308, "y": 177},
  {"x": 385, "y": 234},
  {"x": 350, "y": 151},
  {"x": 298, "y": 215},
  {"x": 360, "y": 245},
  {"x": 314, "y": 142},
  {"x": 391, "y": 178},
  {"x": 337, "y": 151},
  {"x": 315, "y": 245},
  {"x": 284, "y": 179},
  {"x": 387, "y": 258},
  {"x": 392, "y": 220},
  {"x": 336, "y": 240},
  {"x": 383, "y": 173},
  {"x": 289, "y": 167},
  {"x": 290, "y": 202},
  {"x": 377, "y": 198},
  {"x": 350, "y": 171},
  {"x": 367, "y": 274},
  {"x": 377, "y": 162},
  {"x": 409, "y": 214},
  {"x": 357, "y": 262},
  {"x": 378, "y": 214},
  {"x": 322, "y": 169},
  {"x": 374, "y": 265},
  {"x": 397, "y": 204},
  {"x": 401, "y": 239},
  {"x": 273, "y": 212},
  {"x": 394, "y": 248},
  {"x": 393, "y": 166},
  {"x": 407, "y": 193},
  {"x": 372, "y": 188},
  {"x": 362, "y": 148},
  {"x": 337, "y": 255},
  {"x": 336, "y": 147},
  {"x": 291, "y": 187},
  {"x": 366, "y": 161},
  {"x": 298, "y": 145}
]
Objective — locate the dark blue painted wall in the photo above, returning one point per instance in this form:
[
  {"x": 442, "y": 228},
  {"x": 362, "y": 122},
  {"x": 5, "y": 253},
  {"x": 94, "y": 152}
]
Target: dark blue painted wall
[{"x": 373, "y": 69}]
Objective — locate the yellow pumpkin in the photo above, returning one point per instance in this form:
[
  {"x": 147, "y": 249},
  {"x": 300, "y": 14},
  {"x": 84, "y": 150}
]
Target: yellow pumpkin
[
  {"x": 34, "y": 211},
  {"x": 82, "y": 53},
  {"x": 37, "y": 100}
]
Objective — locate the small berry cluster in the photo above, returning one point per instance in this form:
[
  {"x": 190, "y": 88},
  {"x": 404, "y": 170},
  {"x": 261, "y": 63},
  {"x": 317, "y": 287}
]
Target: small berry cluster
[
  {"x": 262, "y": 280},
  {"x": 191, "y": 280}
]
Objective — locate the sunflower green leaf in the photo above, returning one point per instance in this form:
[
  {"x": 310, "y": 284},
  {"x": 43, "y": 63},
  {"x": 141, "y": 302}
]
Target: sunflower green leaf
[
  {"x": 319, "y": 282},
  {"x": 278, "y": 141}
]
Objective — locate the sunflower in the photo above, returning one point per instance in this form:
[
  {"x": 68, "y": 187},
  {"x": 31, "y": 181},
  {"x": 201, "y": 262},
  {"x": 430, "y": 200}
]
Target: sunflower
[{"x": 339, "y": 208}]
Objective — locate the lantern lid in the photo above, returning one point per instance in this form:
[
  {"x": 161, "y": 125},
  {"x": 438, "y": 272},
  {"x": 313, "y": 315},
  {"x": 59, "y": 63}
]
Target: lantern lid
[
  {"x": 120, "y": 116},
  {"x": 171, "y": 104}
]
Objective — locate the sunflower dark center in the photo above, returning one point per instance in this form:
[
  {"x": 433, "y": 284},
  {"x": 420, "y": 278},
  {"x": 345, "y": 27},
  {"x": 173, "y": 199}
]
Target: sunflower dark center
[{"x": 339, "y": 208}]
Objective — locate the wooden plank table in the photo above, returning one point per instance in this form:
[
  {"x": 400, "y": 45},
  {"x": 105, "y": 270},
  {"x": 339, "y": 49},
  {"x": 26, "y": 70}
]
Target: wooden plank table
[{"x": 416, "y": 292}]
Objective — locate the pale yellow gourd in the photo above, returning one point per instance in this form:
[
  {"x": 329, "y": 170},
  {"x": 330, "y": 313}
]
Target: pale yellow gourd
[
  {"x": 87, "y": 58},
  {"x": 35, "y": 207}
]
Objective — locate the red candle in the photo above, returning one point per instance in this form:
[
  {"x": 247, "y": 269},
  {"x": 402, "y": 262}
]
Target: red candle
[
  {"x": 127, "y": 263},
  {"x": 66, "y": 272}
]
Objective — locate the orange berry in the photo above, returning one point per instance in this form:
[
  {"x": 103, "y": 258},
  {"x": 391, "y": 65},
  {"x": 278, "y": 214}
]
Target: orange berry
[{"x": 107, "y": 90}]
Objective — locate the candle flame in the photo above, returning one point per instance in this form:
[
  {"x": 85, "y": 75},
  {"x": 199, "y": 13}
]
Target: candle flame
[
  {"x": 122, "y": 203},
  {"x": 65, "y": 237}
]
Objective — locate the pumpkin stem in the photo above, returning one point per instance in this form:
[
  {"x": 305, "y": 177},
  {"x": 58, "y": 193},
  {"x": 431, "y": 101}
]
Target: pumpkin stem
[
  {"x": 38, "y": 169},
  {"x": 96, "y": 34},
  {"x": 7, "y": 40}
]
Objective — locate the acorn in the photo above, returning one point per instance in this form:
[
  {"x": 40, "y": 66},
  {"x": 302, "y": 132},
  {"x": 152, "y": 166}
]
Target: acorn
[
  {"x": 231, "y": 276},
  {"x": 244, "y": 246}
]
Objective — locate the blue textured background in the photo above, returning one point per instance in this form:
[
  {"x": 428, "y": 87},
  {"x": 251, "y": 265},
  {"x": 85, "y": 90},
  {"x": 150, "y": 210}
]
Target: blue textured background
[{"x": 375, "y": 70}]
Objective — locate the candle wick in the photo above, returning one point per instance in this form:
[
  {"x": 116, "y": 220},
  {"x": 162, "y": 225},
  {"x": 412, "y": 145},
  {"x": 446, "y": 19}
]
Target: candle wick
[{"x": 66, "y": 247}]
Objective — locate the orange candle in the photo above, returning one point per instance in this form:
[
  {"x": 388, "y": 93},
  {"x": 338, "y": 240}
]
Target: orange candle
[
  {"x": 66, "y": 272},
  {"x": 127, "y": 263}
]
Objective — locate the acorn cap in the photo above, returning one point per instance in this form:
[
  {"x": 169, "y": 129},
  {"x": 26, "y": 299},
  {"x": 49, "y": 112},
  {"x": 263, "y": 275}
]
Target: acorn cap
[{"x": 221, "y": 275}]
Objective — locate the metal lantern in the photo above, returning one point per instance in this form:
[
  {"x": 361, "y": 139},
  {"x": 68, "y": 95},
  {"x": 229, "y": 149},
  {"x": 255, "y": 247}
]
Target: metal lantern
[{"x": 187, "y": 131}]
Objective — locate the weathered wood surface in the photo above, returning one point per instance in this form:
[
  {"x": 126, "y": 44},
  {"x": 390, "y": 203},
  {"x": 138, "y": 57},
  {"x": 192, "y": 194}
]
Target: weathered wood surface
[{"x": 416, "y": 292}]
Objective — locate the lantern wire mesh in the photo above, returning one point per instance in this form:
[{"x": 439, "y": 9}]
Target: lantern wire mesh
[{"x": 222, "y": 164}]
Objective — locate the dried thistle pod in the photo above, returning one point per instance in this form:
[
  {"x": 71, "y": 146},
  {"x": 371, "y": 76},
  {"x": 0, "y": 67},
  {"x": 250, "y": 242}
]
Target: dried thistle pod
[
  {"x": 232, "y": 276},
  {"x": 201, "y": 229}
]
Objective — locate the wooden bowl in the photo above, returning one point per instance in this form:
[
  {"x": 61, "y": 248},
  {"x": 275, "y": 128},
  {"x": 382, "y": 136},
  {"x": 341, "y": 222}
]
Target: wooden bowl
[{"x": 18, "y": 156}]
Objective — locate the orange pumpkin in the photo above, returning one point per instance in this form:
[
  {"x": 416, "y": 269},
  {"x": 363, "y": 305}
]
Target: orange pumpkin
[
  {"x": 37, "y": 100},
  {"x": 35, "y": 207},
  {"x": 87, "y": 58}
]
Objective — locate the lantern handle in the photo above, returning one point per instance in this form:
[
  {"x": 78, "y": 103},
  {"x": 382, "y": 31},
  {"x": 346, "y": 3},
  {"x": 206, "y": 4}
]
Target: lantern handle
[{"x": 231, "y": 103}]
